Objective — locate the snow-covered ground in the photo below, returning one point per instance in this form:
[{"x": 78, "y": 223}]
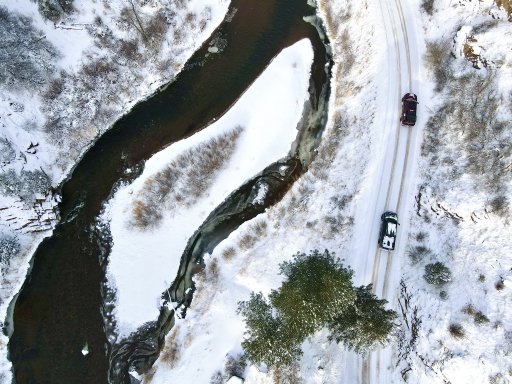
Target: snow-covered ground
[
  {"x": 450, "y": 210},
  {"x": 144, "y": 262},
  {"x": 337, "y": 206}
]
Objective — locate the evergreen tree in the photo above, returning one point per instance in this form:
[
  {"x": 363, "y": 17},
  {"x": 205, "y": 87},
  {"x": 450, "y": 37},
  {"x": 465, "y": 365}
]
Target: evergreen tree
[
  {"x": 317, "y": 286},
  {"x": 363, "y": 324},
  {"x": 268, "y": 340},
  {"x": 316, "y": 293},
  {"x": 437, "y": 274}
]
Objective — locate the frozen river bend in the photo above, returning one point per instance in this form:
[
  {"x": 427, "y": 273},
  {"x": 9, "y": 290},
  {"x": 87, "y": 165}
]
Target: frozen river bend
[{"x": 60, "y": 309}]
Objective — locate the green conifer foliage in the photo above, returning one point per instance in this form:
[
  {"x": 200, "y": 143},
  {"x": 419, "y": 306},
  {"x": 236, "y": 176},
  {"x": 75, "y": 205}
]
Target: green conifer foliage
[{"x": 317, "y": 293}]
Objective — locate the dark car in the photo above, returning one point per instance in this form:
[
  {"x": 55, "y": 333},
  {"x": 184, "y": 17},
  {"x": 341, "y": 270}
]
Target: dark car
[
  {"x": 409, "y": 104},
  {"x": 388, "y": 227}
]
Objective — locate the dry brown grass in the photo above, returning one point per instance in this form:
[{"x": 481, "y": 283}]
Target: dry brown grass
[
  {"x": 438, "y": 58},
  {"x": 507, "y": 6},
  {"x": 247, "y": 241},
  {"x": 228, "y": 253},
  {"x": 212, "y": 271},
  {"x": 456, "y": 331},
  {"x": 183, "y": 181},
  {"x": 171, "y": 353},
  {"x": 259, "y": 228},
  {"x": 469, "y": 310},
  {"x": 286, "y": 375}
]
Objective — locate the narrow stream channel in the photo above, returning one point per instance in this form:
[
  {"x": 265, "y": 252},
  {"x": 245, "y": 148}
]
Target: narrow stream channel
[{"x": 59, "y": 308}]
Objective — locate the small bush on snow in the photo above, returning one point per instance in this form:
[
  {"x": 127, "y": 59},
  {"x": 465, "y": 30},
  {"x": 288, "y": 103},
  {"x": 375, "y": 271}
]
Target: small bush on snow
[
  {"x": 183, "y": 180},
  {"x": 437, "y": 274},
  {"x": 469, "y": 310},
  {"x": 456, "y": 330},
  {"x": 418, "y": 253},
  {"x": 480, "y": 318},
  {"x": 228, "y": 253},
  {"x": 428, "y": 6},
  {"x": 500, "y": 284}
]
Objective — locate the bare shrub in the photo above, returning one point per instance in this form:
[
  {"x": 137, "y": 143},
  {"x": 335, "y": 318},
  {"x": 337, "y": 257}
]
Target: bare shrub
[
  {"x": 418, "y": 253},
  {"x": 475, "y": 128},
  {"x": 55, "y": 9},
  {"x": 259, "y": 228},
  {"x": 481, "y": 278},
  {"x": 428, "y": 6},
  {"x": 156, "y": 29},
  {"x": 498, "y": 378},
  {"x": 228, "y": 253},
  {"x": 469, "y": 310},
  {"x": 421, "y": 236},
  {"x": 500, "y": 205},
  {"x": 170, "y": 353},
  {"x": 145, "y": 214},
  {"x": 54, "y": 89},
  {"x": 97, "y": 68},
  {"x": 26, "y": 56},
  {"x": 9, "y": 249},
  {"x": 234, "y": 366},
  {"x": 456, "y": 330},
  {"x": 25, "y": 185},
  {"x": 438, "y": 57},
  {"x": 212, "y": 270},
  {"x": 347, "y": 53},
  {"x": 247, "y": 241},
  {"x": 183, "y": 181},
  {"x": 217, "y": 378},
  {"x": 286, "y": 375},
  {"x": 480, "y": 318},
  {"x": 500, "y": 284},
  {"x": 129, "y": 49}
]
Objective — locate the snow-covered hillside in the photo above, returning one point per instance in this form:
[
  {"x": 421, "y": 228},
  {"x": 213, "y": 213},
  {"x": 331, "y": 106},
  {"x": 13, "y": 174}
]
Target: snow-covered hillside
[
  {"x": 66, "y": 75},
  {"x": 449, "y": 178}
]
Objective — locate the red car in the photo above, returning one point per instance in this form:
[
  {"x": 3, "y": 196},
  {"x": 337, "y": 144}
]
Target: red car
[{"x": 409, "y": 104}]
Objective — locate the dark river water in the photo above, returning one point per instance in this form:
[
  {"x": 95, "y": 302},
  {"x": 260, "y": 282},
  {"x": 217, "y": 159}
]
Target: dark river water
[{"x": 59, "y": 308}]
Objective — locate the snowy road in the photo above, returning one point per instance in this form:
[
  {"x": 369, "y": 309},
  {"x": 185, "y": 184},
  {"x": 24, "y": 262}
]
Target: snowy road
[{"x": 391, "y": 186}]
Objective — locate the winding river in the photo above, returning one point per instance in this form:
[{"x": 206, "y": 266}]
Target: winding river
[{"x": 61, "y": 304}]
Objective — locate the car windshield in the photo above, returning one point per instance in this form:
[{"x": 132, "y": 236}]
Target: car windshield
[
  {"x": 411, "y": 105},
  {"x": 411, "y": 116}
]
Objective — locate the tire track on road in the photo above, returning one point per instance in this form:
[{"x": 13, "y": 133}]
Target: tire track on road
[
  {"x": 409, "y": 137},
  {"x": 367, "y": 363}
]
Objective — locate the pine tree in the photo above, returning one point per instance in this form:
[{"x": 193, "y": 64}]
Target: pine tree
[
  {"x": 317, "y": 286},
  {"x": 437, "y": 274},
  {"x": 364, "y": 324},
  {"x": 316, "y": 293},
  {"x": 268, "y": 339}
]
